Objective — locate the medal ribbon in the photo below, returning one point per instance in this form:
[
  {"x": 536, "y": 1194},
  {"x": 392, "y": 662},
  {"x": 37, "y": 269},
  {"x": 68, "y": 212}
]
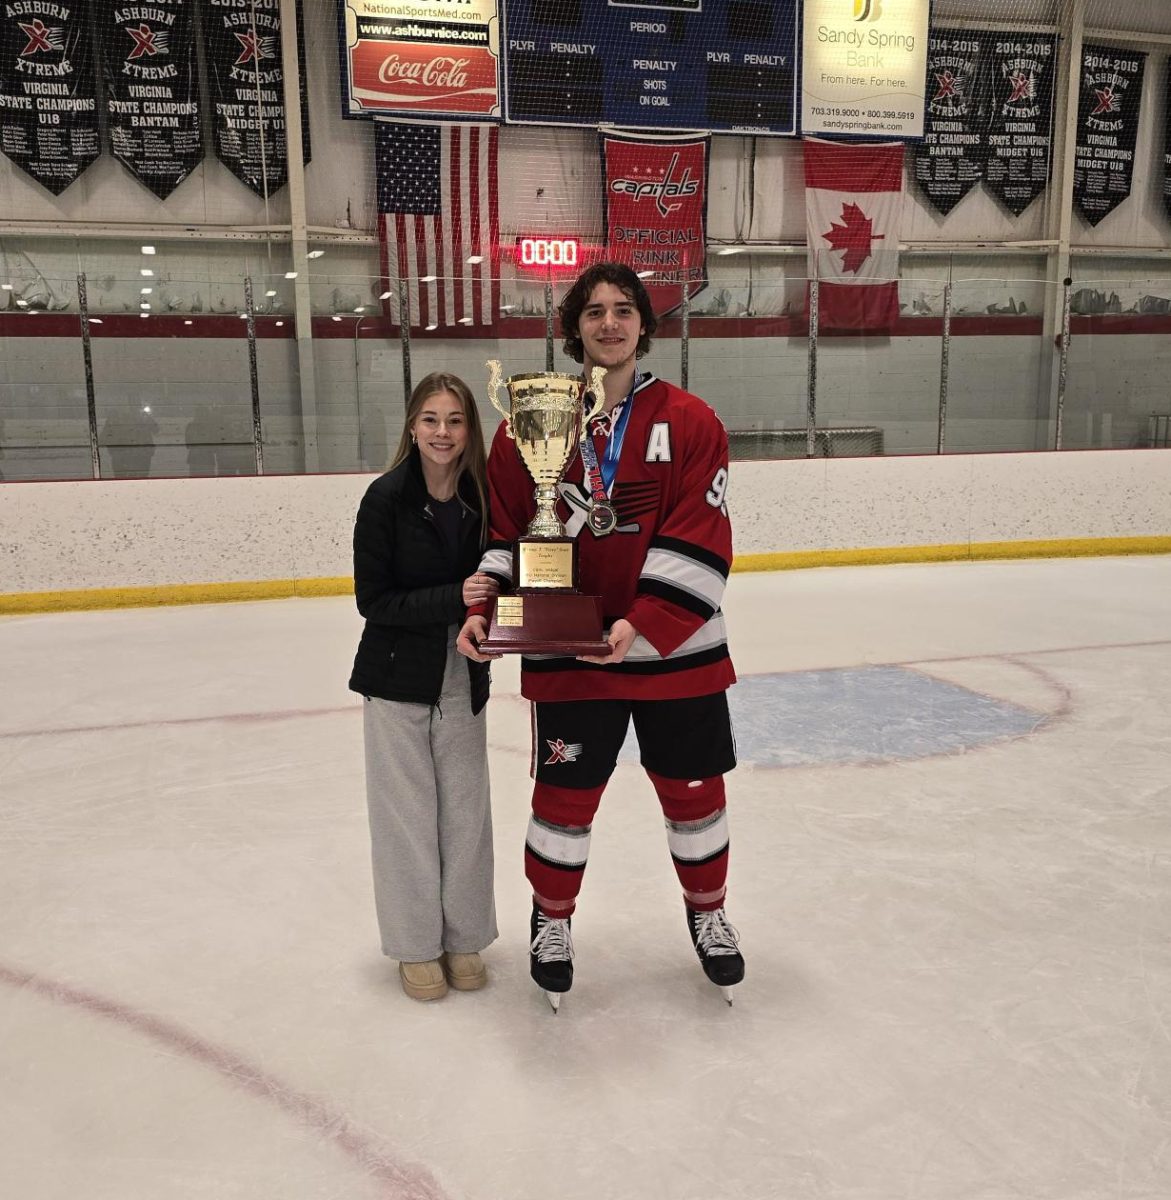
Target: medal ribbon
[{"x": 601, "y": 477}]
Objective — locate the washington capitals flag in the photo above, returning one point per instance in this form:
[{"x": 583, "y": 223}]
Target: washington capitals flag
[{"x": 439, "y": 221}]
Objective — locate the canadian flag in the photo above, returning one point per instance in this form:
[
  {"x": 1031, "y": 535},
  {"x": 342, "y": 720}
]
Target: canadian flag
[{"x": 853, "y": 202}]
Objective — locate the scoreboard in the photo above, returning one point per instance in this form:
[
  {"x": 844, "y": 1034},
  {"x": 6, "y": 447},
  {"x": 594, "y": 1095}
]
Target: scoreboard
[{"x": 729, "y": 66}]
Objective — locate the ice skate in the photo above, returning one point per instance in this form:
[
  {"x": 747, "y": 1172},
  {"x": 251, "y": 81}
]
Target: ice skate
[
  {"x": 716, "y": 943},
  {"x": 551, "y": 955}
]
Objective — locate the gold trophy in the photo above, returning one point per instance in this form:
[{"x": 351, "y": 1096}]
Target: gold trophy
[{"x": 545, "y": 613}]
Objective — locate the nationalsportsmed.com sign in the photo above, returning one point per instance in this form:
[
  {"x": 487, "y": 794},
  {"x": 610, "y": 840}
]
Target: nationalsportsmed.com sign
[{"x": 863, "y": 67}]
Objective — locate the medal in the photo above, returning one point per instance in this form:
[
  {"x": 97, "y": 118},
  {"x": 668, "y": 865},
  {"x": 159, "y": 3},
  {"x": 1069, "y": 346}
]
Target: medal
[{"x": 602, "y": 518}]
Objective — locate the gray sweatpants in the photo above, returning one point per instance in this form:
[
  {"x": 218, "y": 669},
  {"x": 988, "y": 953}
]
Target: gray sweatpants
[{"x": 431, "y": 821}]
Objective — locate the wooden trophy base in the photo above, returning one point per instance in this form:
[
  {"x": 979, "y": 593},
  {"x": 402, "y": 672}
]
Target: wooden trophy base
[{"x": 546, "y": 622}]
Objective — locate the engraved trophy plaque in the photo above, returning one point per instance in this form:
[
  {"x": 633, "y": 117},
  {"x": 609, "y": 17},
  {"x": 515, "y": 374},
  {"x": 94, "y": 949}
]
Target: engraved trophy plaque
[{"x": 545, "y": 613}]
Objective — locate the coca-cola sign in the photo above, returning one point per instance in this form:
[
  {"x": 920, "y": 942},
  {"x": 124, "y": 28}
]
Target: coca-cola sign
[
  {"x": 438, "y": 72},
  {"x": 442, "y": 61}
]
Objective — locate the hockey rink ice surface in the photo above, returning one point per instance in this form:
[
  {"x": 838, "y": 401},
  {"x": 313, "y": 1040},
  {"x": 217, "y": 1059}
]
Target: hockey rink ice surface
[{"x": 951, "y": 870}]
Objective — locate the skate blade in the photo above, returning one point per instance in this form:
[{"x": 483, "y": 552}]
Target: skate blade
[
  {"x": 727, "y": 994},
  {"x": 554, "y": 999}
]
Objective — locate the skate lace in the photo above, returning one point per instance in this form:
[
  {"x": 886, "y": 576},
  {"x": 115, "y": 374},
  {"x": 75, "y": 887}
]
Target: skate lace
[
  {"x": 715, "y": 934},
  {"x": 553, "y": 942}
]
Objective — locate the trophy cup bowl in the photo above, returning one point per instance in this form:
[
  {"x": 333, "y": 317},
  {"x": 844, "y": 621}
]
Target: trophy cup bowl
[{"x": 545, "y": 613}]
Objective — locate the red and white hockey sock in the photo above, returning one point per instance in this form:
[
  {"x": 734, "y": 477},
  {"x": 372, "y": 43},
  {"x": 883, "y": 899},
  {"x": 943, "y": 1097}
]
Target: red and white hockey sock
[
  {"x": 557, "y": 844},
  {"x": 697, "y": 835}
]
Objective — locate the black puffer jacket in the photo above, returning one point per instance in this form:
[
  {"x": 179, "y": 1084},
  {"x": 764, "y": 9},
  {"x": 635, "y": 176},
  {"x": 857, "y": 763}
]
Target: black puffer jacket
[{"x": 405, "y": 590}]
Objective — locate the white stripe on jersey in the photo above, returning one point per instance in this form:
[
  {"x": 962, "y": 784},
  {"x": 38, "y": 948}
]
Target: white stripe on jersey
[
  {"x": 710, "y": 634},
  {"x": 676, "y": 569}
]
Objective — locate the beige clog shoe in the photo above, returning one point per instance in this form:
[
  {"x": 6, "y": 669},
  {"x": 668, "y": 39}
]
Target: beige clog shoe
[
  {"x": 465, "y": 972},
  {"x": 423, "y": 980}
]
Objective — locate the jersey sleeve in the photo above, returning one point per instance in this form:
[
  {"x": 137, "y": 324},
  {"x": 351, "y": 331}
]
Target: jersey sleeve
[{"x": 681, "y": 584}]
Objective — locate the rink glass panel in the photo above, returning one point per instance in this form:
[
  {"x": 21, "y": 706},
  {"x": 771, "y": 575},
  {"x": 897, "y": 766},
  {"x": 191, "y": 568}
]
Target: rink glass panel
[{"x": 172, "y": 384}]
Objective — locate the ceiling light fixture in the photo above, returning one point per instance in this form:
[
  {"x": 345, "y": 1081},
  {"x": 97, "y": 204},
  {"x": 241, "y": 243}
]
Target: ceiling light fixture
[
  {"x": 148, "y": 249},
  {"x": 290, "y": 274}
]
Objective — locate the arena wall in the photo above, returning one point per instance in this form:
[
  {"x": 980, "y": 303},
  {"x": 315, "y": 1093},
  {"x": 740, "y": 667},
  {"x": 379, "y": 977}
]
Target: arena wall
[{"x": 124, "y": 542}]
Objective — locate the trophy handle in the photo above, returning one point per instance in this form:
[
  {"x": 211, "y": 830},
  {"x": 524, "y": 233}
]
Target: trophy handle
[
  {"x": 594, "y": 389},
  {"x": 495, "y": 379}
]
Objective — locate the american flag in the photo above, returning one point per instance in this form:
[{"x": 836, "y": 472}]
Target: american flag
[{"x": 439, "y": 220}]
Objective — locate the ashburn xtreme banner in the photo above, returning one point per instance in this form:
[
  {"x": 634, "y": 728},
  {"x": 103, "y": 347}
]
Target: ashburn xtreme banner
[
  {"x": 48, "y": 104},
  {"x": 152, "y": 94},
  {"x": 1020, "y": 135},
  {"x": 656, "y": 212},
  {"x": 949, "y": 161},
  {"x": 1107, "y": 119},
  {"x": 246, "y": 78},
  {"x": 989, "y": 117},
  {"x": 1167, "y": 143}
]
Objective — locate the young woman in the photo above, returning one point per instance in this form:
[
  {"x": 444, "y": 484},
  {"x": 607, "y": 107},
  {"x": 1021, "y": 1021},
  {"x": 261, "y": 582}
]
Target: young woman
[{"x": 419, "y": 535}]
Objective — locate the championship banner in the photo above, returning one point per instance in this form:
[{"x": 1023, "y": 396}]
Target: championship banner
[
  {"x": 949, "y": 161},
  {"x": 441, "y": 61},
  {"x": 655, "y": 213},
  {"x": 1107, "y": 118},
  {"x": 853, "y": 201},
  {"x": 48, "y": 102},
  {"x": 1167, "y": 143},
  {"x": 246, "y": 77},
  {"x": 152, "y": 94},
  {"x": 1020, "y": 134}
]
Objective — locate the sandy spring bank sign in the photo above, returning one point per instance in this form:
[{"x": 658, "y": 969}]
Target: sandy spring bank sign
[{"x": 863, "y": 67}]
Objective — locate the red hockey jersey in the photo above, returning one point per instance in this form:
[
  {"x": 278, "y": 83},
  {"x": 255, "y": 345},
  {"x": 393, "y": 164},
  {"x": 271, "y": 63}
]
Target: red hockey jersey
[{"x": 664, "y": 568}]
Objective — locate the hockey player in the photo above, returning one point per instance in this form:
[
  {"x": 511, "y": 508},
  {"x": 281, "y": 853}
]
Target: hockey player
[{"x": 644, "y": 498}]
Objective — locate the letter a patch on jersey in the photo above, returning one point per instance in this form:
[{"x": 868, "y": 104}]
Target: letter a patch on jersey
[{"x": 658, "y": 443}]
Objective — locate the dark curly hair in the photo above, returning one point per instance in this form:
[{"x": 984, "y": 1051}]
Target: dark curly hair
[{"x": 574, "y": 302}]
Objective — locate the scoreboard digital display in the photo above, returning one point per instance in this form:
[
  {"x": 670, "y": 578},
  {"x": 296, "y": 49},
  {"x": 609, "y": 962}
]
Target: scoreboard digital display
[{"x": 729, "y": 66}]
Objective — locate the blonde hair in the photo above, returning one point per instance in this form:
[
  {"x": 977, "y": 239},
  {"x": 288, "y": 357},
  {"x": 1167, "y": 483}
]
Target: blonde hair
[{"x": 473, "y": 460}]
